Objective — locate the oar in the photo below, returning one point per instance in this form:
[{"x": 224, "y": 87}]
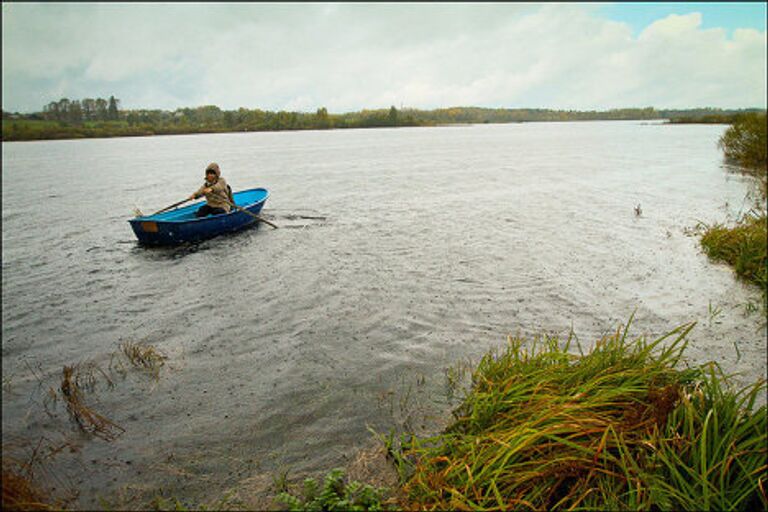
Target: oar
[
  {"x": 262, "y": 219},
  {"x": 174, "y": 205}
]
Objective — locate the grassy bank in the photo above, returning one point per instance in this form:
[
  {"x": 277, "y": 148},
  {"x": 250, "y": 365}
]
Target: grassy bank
[
  {"x": 545, "y": 425},
  {"x": 617, "y": 428},
  {"x": 744, "y": 245}
]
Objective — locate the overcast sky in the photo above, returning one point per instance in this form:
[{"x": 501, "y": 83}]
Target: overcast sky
[{"x": 348, "y": 57}]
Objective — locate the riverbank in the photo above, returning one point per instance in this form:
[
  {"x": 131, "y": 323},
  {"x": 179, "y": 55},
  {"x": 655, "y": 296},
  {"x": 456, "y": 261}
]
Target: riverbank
[
  {"x": 744, "y": 244},
  {"x": 619, "y": 427},
  {"x": 61, "y": 123},
  {"x": 543, "y": 424}
]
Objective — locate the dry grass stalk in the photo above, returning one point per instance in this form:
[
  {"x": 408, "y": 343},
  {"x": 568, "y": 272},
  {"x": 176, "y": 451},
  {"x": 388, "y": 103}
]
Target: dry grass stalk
[
  {"x": 20, "y": 488},
  {"x": 29, "y": 482},
  {"x": 88, "y": 420},
  {"x": 144, "y": 356},
  {"x": 20, "y": 493}
]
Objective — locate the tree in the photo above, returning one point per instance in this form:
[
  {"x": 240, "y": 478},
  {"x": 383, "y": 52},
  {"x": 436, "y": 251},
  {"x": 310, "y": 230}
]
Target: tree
[
  {"x": 51, "y": 111},
  {"x": 112, "y": 113},
  {"x": 64, "y": 109},
  {"x": 89, "y": 109},
  {"x": 392, "y": 118},
  {"x": 101, "y": 109},
  {"x": 322, "y": 118},
  {"x": 229, "y": 119},
  {"x": 75, "y": 114}
]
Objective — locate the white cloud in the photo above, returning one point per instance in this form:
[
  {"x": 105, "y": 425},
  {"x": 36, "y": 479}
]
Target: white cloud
[{"x": 354, "y": 56}]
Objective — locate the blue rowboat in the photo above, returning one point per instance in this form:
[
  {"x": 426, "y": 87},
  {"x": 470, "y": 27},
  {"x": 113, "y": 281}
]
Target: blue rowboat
[{"x": 180, "y": 225}]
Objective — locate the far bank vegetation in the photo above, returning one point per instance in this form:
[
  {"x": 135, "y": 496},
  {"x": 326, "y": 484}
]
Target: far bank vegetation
[{"x": 99, "y": 117}]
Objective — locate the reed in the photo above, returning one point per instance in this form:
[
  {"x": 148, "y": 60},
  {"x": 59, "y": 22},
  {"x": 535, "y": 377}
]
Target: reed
[
  {"x": 20, "y": 493},
  {"x": 617, "y": 428},
  {"x": 87, "y": 419},
  {"x": 27, "y": 481},
  {"x": 144, "y": 356}
]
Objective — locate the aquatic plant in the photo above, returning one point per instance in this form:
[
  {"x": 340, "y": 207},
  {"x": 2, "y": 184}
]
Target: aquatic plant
[
  {"x": 86, "y": 418},
  {"x": 20, "y": 492},
  {"x": 335, "y": 494},
  {"x": 144, "y": 356},
  {"x": 617, "y": 428}
]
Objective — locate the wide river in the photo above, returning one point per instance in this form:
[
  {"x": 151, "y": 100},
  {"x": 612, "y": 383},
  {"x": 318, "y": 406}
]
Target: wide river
[{"x": 400, "y": 253}]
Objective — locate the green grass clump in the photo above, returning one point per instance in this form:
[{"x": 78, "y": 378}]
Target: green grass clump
[
  {"x": 617, "y": 428},
  {"x": 335, "y": 494},
  {"x": 743, "y": 246},
  {"x": 745, "y": 143}
]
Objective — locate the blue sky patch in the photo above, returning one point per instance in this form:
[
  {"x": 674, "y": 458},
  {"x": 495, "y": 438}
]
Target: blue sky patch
[{"x": 726, "y": 15}]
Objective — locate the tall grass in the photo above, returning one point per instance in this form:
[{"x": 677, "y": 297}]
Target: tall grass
[
  {"x": 743, "y": 246},
  {"x": 20, "y": 492},
  {"x": 617, "y": 428},
  {"x": 745, "y": 143}
]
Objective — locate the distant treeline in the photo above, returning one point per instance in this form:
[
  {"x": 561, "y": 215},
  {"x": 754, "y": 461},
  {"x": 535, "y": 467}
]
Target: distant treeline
[
  {"x": 78, "y": 111},
  {"x": 68, "y": 119}
]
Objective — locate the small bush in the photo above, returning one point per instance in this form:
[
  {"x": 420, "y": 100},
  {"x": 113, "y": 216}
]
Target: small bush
[
  {"x": 745, "y": 143},
  {"x": 335, "y": 494}
]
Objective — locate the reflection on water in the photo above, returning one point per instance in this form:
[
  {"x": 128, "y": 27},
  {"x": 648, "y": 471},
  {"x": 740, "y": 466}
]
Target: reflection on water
[{"x": 399, "y": 253}]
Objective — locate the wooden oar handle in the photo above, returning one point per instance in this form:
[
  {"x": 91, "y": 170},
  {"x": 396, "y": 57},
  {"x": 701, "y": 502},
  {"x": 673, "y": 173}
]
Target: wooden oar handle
[
  {"x": 174, "y": 205},
  {"x": 257, "y": 217}
]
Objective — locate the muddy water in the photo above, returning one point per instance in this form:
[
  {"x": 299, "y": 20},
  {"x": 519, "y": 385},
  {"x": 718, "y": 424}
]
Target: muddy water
[{"x": 400, "y": 252}]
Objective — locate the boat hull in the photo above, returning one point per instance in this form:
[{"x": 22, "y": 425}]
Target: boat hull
[{"x": 180, "y": 225}]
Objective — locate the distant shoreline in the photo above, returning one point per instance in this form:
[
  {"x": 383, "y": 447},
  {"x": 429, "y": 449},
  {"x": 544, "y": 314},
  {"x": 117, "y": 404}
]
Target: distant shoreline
[
  {"x": 75, "y": 119},
  {"x": 79, "y": 133}
]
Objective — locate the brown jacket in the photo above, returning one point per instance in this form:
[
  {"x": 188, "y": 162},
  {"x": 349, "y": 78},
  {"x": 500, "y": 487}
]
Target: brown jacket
[{"x": 219, "y": 197}]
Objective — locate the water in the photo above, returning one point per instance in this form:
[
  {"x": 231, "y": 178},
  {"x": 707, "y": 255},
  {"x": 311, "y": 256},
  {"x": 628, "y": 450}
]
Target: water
[{"x": 400, "y": 253}]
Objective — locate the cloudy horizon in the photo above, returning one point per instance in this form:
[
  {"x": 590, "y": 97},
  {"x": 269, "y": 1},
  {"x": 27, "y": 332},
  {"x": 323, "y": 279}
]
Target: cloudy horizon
[{"x": 350, "y": 57}]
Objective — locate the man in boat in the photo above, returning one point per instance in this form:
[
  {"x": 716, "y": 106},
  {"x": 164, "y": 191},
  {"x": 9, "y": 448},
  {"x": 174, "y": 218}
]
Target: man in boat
[{"x": 218, "y": 195}]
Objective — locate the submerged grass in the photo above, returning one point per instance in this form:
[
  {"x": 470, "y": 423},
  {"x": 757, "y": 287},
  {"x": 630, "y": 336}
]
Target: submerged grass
[
  {"x": 144, "y": 356},
  {"x": 73, "y": 381},
  {"x": 617, "y": 428}
]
